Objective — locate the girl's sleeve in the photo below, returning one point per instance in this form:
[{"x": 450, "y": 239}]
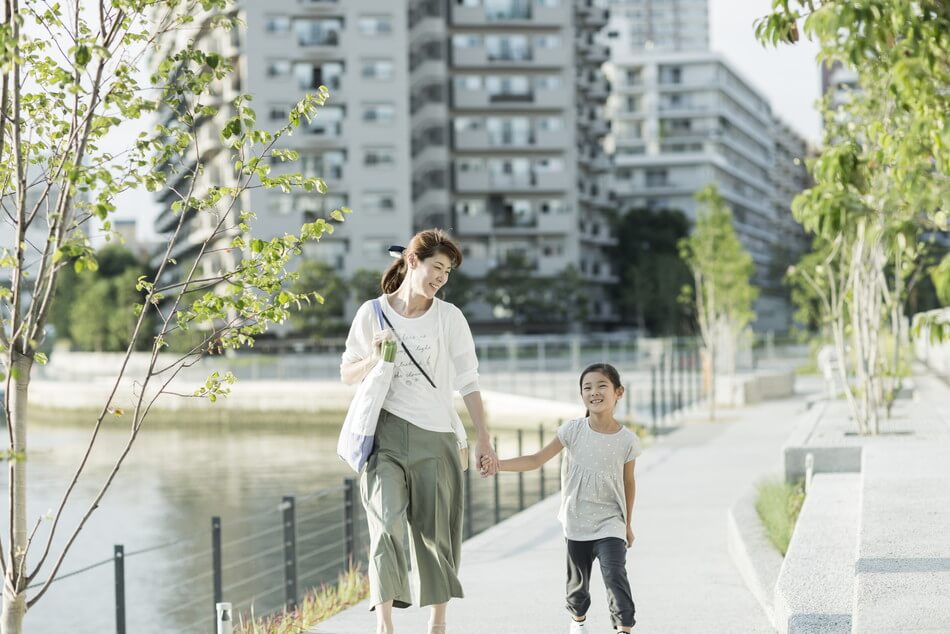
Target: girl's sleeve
[
  {"x": 462, "y": 352},
  {"x": 633, "y": 450},
  {"x": 360, "y": 340},
  {"x": 565, "y": 433}
]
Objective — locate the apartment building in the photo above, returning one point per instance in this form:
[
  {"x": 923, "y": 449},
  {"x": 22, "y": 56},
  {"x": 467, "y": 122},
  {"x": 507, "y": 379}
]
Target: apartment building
[
  {"x": 480, "y": 116},
  {"x": 683, "y": 118}
]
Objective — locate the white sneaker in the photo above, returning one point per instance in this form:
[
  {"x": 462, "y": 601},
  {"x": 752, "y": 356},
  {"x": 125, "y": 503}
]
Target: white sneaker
[{"x": 578, "y": 627}]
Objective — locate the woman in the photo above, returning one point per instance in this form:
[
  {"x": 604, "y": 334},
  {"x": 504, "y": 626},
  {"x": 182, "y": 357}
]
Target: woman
[{"x": 414, "y": 473}]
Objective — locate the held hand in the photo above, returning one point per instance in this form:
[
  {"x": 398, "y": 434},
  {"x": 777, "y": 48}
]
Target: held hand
[
  {"x": 630, "y": 537},
  {"x": 378, "y": 338},
  {"x": 485, "y": 458}
]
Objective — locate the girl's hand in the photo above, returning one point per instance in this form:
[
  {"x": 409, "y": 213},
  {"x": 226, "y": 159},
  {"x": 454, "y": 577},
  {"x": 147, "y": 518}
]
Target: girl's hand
[
  {"x": 485, "y": 458},
  {"x": 630, "y": 536}
]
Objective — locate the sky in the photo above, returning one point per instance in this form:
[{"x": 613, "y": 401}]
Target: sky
[{"x": 787, "y": 76}]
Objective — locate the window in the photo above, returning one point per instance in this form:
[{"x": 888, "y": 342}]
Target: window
[
  {"x": 328, "y": 122},
  {"x": 634, "y": 75},
  {"x": 376, "y": 247},
  {"x": 278, "y": 112},
  {"x": 318, "y": 32},
  {"x": 383, "y": 113},
  {"x": 508, "y": 48},
  {"x": 468, "y": 124},
  {"x": 548, "y": 165},
  {"x": 328, "y": 165},
  {"x": 548, "y": 82},
  {"x": 466, "y": 41},
  {"x": 376, "y": 24},
  {"x": 468, "y": 82},
  {"x": 509, "y": 85},
  {"x": 381, "y": 69},
  {"x": 278, "y": 24},
  {"x": 671, "y": 75},
  {"x": 379, "y": 202},
  {"x": 278, "y": 68},
  {"x": 470, "y": 207},
  {"x": 379, "y": 157},
  {"x": 312, "y": 75},
  {"x": 553, "y": 206},
  {"x": 547, "y": 41},
  {"x": 550, "y": 124},
  {"x": 656, "y": 177}
]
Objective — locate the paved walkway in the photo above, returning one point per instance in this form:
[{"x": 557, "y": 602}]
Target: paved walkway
[{"x": 682, "y": 577}]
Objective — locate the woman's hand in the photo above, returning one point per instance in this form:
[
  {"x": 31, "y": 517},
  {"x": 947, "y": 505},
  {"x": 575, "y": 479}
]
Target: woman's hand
[
  {"x": 485, "y": 457},
  {"x": 378, "y": 338},
  {"x": 630, "y": 536}
]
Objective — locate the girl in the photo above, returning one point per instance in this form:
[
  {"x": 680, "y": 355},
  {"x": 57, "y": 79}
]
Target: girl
[
  {"x": 597, "y": 493},
  {"x": 414, "y": 473}
]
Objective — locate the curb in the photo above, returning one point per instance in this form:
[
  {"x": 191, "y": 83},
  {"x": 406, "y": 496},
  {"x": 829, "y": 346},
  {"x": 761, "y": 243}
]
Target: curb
[{"x": 753, "y": 555}]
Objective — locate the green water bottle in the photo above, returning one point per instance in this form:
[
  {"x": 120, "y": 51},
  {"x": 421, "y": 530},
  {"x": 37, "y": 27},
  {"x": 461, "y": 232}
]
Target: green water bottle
[{"x": 389, "y": 350}]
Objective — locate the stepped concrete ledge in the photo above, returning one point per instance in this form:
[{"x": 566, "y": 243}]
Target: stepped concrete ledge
[
  {"x": 753, "y": 554},
  {"x": 902, "y": 574},
  {"x": 816, "y": 583}
]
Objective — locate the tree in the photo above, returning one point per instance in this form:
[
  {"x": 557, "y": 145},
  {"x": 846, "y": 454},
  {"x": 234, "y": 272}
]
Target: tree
[
  {"x": 513, "y": 290},
  {"x": 650, "y": 269},
  {"x": 98, "y": 306},
  {"x": 68, "y": 81},
  {"x": 364, "y": 285},
  {"x": 461, "y": 289},
  {"x": 323, "y": 316},
  {"x": 722, "y": 295},
  {"x": 881, "y": 181},
  {"x": 900, "y": 50}
]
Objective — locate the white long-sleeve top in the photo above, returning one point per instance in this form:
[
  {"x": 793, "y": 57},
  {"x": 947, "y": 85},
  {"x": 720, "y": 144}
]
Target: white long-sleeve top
[{"x": 441, "y": 342}]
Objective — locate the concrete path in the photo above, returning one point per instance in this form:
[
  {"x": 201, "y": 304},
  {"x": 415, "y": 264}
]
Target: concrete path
[{"x": 682, "y": 577}]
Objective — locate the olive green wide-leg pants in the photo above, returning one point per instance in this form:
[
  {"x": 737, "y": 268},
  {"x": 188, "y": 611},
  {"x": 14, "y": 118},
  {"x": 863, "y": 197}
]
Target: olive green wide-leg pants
[{"x": 413, "y": 477}]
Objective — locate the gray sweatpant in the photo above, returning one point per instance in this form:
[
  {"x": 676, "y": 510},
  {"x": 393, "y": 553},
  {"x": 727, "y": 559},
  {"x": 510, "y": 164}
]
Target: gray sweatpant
[
  {"x": 413, "y": 477},
  {"x": 612, "y": 554}
]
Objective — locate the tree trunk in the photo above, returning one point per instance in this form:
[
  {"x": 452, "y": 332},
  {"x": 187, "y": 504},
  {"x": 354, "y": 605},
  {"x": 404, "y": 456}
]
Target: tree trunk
[{"x": 14, "y": 590}]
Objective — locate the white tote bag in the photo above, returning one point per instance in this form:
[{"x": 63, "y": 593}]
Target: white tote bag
[{"x": 359, "y": 427}]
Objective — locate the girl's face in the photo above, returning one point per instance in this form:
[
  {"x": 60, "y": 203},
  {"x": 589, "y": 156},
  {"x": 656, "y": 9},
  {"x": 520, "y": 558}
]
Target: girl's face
[
  {"x": 599, "y": 394},
  {"x": 429, "y": 275}
]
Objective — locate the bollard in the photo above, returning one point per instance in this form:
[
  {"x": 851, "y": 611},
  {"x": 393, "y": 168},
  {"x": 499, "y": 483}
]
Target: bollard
[
  {"x": 119, "y": 559},
  {"x": 216, "y": 561},
  {"x": 290, "y": 553},
  {"x": 222, "y": 619},
  {"x": 520, "y": 473},
  {"x": 809, "y": 470}
]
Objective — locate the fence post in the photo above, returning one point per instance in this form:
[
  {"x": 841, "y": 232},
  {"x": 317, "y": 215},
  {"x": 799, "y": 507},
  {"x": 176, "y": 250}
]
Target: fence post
[
  {"x": 541, "y": 446},
  {"x": 222, "y": 618},
  {"x": 348, "y": 520},
  {"x": 663, "y": 384},
  {"x": 290, "y": 552},
  {"x": 520, "y": 473},
  {"x": 468, "y": 502},
  {"x": 497, "y": 485},
  {"x": 118, "y": 556},
  {"x": 216, "y": 563},
  {"x": 653, "y": 398}
]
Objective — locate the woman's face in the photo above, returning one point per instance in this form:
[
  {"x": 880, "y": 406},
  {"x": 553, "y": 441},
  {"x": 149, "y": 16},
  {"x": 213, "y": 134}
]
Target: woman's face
[
  {"x": 430, "y": 275},
  {"x": 599, "y": 394}
]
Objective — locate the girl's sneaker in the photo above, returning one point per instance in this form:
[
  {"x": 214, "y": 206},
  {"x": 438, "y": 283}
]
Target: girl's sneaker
[{"x": 578, "y": 627}]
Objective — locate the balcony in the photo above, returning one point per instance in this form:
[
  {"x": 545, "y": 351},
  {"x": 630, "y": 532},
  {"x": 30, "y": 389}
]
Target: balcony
[
  {"x": 515, "y": 14},
  {"x": 474, "y": 224},
  {"x": 467, "y": 98},
  {"x": 484, "y": 181},
  {"x": 531, "y": 57},
  {"x": 515, "y": 140}
]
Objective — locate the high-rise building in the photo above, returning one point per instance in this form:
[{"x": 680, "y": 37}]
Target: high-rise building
[
  {"x": 682, "y": 118},
  {"x": 480, "y": 116},
  {"x": 667, "y": 25}
]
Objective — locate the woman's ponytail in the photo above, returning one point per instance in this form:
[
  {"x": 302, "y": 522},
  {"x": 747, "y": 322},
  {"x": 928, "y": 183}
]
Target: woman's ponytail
[{"x": 394, "y": 275}]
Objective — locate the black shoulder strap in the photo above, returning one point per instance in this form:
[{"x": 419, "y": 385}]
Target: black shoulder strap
[{"x": 403, "y": 344}]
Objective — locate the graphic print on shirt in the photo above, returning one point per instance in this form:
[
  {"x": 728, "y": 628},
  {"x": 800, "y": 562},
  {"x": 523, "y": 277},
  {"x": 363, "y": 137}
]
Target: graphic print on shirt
[{"x": 422, "y": 347}]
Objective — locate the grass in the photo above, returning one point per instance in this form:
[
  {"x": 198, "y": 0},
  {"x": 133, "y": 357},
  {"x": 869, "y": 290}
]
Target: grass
[
  {"x": 317, "y": 606},
  {"x": 778, "y": 505}
]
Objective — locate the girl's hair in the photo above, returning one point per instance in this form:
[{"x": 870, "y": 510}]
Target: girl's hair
[
  {"x": 424, "y": 244},
  {"x": 607, "y": 370}
]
